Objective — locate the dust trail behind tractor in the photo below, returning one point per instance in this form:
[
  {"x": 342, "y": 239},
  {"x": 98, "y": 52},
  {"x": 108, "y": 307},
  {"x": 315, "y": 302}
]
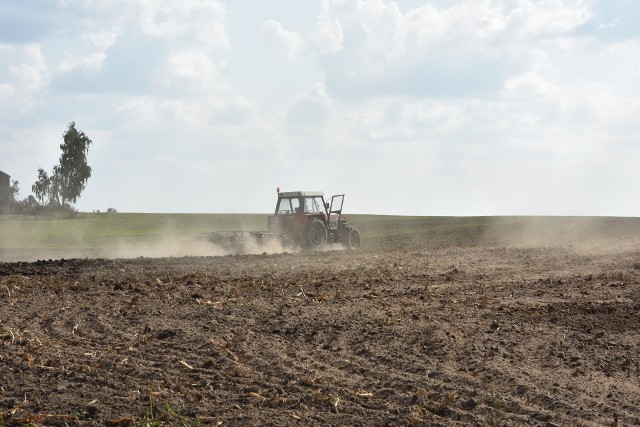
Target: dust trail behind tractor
[{"x": 241, "y": 242}]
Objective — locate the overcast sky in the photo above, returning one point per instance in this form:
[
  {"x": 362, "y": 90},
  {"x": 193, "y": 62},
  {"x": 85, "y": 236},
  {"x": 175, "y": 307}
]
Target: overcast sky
[{"x": 444, "y": 107}]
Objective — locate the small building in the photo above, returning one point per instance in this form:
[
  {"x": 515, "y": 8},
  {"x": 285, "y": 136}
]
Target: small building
[{"x": 5, "y": 185}]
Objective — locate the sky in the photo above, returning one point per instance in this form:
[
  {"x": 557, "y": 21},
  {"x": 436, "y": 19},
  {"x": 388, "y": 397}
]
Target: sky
[{"x": 443, "y": 107}]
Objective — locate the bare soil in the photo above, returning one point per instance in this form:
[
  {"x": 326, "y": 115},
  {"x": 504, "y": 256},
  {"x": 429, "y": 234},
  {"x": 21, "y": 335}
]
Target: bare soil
[{"x": 454, "y": 335}]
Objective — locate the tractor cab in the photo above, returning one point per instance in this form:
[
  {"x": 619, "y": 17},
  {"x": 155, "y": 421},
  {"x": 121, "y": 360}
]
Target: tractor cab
[{"x": 300, "y": 202}]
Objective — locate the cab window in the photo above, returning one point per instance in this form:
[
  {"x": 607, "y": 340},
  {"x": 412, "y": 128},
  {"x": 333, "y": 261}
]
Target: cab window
[
  {"x": 288, "y": 206},
  {"x": 313, "y": 205}
]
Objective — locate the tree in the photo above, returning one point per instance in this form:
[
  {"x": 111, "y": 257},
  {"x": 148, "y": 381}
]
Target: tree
[
  {"x": 71, "y": 175},
  {"x": 69, "y": 178},
  {"x": 14, "y": 190},
  {"x": 42, "y": 187},
  {"x": 30, "y": 202}
]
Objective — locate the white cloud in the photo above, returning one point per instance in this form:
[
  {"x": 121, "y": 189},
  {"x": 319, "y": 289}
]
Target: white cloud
[
  {"x": 92, "y": 62},
  {"x": 143, "y": 110},
  {"x": 102, "y": 39},
  {"x": 547, "y": 17},
  {"x": 192, "y": 113},
  {"x": 470, "y": 45},
  {"x": 202, "y": 19},
  {"x": 6, "y": 90},
  {"x": 195, "y": 70},
  {"x": 31, "y": 69},
  {"x": 310, "y": 113},
  {"x": 328, "y": 37},
  {"x": 288, "y": 41},
  {"x": 24, "y": 78}
]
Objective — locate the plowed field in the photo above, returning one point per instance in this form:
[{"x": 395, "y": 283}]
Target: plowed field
[{"x": 452, "y": 333}]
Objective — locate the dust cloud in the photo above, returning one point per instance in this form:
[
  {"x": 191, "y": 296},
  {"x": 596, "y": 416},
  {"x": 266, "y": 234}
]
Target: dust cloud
[
  {"x": 175, "y": 247},
  {"x": 161, "y": 248},
  {"x": 35, "y": 239},
  {"x": 581, "y": 234}
]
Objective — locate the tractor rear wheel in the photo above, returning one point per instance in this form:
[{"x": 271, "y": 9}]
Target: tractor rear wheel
[
  {"x": 352, "y": 239},
  {"x": 316, "y": 235}
]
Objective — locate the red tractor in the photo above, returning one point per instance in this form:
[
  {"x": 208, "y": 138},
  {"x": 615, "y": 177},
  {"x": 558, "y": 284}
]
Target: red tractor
[
  {"x": 305, "y": 219},
  {"x": 301, "y": 219}
]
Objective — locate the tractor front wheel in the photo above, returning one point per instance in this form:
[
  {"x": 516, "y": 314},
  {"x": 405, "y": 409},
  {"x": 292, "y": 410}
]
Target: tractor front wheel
[
  {"x": 352, "y": 239},
  {"x": 316, "y": 235}
]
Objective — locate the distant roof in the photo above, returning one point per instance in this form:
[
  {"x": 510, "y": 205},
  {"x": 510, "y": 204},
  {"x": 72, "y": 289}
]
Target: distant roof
[
  {"x": 4, "y": 174},
  {"x": 301, "y": 194}
]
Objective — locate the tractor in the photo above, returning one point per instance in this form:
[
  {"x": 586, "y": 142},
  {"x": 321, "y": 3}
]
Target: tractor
[
  {"x": 305, "y": 219},
  {"x": 301, "y": 219}
]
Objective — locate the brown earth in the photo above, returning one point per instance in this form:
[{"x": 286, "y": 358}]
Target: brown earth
[{"x": 483, "y": 334}]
